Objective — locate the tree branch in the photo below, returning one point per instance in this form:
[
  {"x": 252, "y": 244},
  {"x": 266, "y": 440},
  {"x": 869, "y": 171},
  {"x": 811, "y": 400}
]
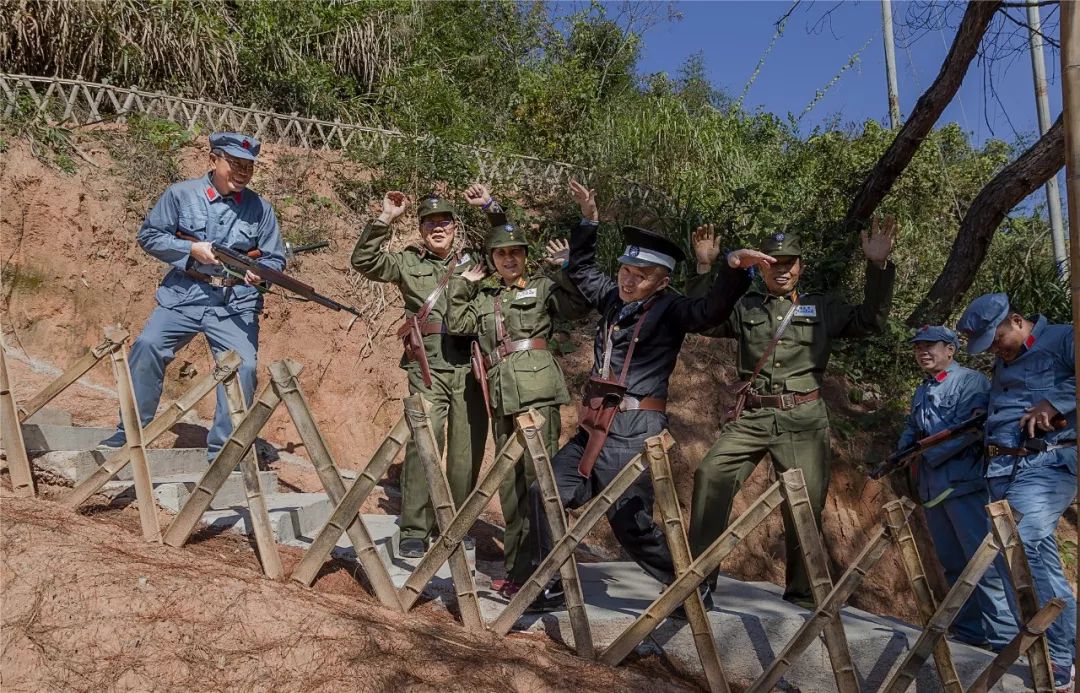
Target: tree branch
[
  {"x": 927, "y": 110},
  {"x": 1006, "y": 190}
]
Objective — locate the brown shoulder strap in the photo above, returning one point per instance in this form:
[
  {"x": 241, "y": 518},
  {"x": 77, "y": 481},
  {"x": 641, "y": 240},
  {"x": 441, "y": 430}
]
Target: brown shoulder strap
[
  {"x": 433, "y": 298},
  {"x": 500, "y": 325},
  {"x": 771, "y": 347},
  {"x": 633, "y": 341}
]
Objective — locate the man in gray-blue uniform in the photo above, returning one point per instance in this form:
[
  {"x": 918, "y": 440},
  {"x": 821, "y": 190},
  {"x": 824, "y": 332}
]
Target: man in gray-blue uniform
[
  {"x": 1031, "y": 444},
  {"x": 948, "y": 479},
  {"x": 195, "y": 295}
]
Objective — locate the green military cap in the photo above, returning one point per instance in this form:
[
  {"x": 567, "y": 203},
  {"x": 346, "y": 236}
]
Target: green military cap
[
  {"x": 505, "y": 236},
  {"x": 782, "y": 243},
  {"x": 433, "y": 204}
]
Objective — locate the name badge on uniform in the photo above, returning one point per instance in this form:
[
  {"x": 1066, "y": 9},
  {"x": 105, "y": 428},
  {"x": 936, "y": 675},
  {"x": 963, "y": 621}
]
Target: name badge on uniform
[
  {"x": 805, "y": 311},
  {"x": 527, "y": 293},
  {"x": 464, "y": 259}
]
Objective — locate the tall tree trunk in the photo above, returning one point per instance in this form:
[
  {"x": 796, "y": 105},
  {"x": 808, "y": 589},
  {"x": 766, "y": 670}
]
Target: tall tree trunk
[
  {"x": 1007, "y": 189},
  {"x": 928, "y": 109}
]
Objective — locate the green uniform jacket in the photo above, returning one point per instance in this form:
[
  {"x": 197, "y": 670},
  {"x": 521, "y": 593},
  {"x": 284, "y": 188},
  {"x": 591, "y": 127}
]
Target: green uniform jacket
[
  {"x": 802, "y": 354},
  {"x": 415, "y": 272},
  {"x": 525, "y": 378}
]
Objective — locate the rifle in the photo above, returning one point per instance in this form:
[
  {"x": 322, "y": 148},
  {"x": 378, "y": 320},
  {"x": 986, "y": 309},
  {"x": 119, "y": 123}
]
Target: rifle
[
  {"x": 237, "y": 263},
  {"x": 900, "y": 459}
]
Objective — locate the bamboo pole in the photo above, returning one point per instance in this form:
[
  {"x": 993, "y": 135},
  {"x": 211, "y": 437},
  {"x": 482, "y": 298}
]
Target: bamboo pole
[
  {"x": 701, "y": 568},
  {"x": 564, "y": 548},
  {"x": 1031, "y": 632},
  {"x": 308, "y": 568},
  {"x": 793, "y": 484},
  {"x": 1003, "y": 525},
  {"x": 416, "y": 412},
  {"x": 285, "y": 376},
  {"x": 249, "y": 471},
  {"x": 18, "y": 464},
  {"x": 890, "y": 63},
  {"x": 904, "y": 539},
  {"x": 463, "y": 521},
  {"x": 242, "y": 438},
  {"x": 939, "y": 624},
  {"x": 140, "y": 466},
  {"x": 530, "y": 424},
  {"x": 657, "y": 449},
  {"x": 114, "y": 337},
  {"x": 828, "y": 608},
  {"x": 1070, "y": 99},
  {"x": 226, "y": 365}
]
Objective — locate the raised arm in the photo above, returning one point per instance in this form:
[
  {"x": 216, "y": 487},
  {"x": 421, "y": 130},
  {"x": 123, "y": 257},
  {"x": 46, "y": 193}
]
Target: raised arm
[
  {"x": 869, "y": 317},
  {"x": 593, "y": 284},
  {"x": 463, "y": 294},
  {"x": 367, "y": 256},
  {"x": 477, "y": 195}
]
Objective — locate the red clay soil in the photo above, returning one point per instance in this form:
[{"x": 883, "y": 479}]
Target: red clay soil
[{"x": 89, "y": 606}]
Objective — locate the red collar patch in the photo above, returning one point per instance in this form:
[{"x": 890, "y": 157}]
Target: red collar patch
[
  {"x": 940, "y": 377},
  {"x": 1030, "y": 341},
  {"x": 212, "y": 193}
]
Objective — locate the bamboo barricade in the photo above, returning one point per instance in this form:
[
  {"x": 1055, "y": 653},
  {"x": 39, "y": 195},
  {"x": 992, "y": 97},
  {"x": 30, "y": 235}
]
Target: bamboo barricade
[
  {"x": 904, "y": 540},
  {"x": 1003, "y": 526},
  {"x": 793, "y": 486},
  {"x": 13, "y": 414},
  {"x": 140, "y": 466},
  {"x": 416, "y": 413},
  {"x": 657, "y": 449},
  {"x": 18, "y": 463},
  {"x": 227, "y": 364},
  {"x": 265, "y": 542},
  {"x": 287, "y": 385},
  {"x": 1031, "y": 632}
]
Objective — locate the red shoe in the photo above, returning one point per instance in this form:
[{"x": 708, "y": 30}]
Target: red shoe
[{"x": 506, "y": 587}]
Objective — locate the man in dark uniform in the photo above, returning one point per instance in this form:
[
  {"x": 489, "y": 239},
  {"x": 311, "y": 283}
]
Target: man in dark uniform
[
  {"x": 784, "y": 413},
  {"x": 642, "y": 327}
]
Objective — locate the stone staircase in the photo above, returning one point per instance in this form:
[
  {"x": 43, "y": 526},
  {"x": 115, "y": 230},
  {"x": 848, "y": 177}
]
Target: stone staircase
[{"x": 751, "y": 621}]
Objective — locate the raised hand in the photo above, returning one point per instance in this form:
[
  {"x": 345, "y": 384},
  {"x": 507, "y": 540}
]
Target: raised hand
[
  {"x": 879, "y": 244},
  {"x": 393, "y": 205},
  {"x": 477, "y": 195},
  {"x": 558, "y": 252},
  {"x": 475, "y": 273},
  {"x": 586, "y": 200},
  {"x": 706, "y": 247},
  {"x": 744, "y": 258}
]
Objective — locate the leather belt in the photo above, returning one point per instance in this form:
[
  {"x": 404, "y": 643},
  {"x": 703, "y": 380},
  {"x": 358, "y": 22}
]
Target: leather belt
[
  {"x": 630, "y": 403},
  {"x": 788, "y": 400},
  {"x": 432, "y": 328},
  {"x": 1001, "y": 451},
  {"x": 215, "y": 280},
  {"x": 504, "y": 350}
]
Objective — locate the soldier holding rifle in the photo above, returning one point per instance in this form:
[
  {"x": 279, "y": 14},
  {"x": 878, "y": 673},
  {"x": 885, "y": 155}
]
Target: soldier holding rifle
[{"x": 196, "y": 295}]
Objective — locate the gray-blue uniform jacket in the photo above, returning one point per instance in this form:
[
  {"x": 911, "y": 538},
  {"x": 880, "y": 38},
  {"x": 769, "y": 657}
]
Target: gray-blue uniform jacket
[
  {"x": 941, "y": 402},
  {"x": 1043, "y": 371},
  {"x": 241, "y": 221}
]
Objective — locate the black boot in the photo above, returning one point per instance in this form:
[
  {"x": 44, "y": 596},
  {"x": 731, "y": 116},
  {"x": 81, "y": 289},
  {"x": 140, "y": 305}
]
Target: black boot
[{"x": 551, "y": 599}]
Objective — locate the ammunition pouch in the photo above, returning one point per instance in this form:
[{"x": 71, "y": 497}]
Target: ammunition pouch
[{"x": 599, "y": 406}]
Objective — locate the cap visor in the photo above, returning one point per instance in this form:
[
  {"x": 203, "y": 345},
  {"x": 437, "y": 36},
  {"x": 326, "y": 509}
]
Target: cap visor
[
  {"x": 638, "y": 262},
  {"x": 980, "y": 343},
  {"x": 238, "y": 152}
]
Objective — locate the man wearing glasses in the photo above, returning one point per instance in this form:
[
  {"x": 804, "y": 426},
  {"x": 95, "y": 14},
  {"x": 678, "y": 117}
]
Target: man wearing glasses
[
  {"x": 196, "y": 295},
  {"x": 437, "y": 364}
]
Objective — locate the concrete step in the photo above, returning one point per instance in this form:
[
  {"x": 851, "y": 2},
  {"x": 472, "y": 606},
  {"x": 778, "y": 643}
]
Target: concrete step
[
  {"x": 77, "y": 465},
  {"x": 292, "y": 515},
  {"x": 48, "y": 415},
  {"x": 752, "y": 623},
  {"x": 43, "y": 437},
  {"x": 172, "y": 491}
]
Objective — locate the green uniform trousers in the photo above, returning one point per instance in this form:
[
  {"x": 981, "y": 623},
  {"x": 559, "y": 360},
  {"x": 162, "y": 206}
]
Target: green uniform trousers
[
  {"x": 795, "y": 439},
  {"x": 514, "y": 490},
  {"x": 459, "y": 419}
]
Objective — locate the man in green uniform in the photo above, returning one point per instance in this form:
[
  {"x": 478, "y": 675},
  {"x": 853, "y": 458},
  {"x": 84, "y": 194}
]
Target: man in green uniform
[
  {"x": 514, "y": 318},
  {"x": 785, "y": 339},
  {"x": 436, "y": 362}
]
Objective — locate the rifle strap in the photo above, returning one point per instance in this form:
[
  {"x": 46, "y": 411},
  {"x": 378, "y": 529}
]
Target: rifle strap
[
  {"x": 500, "y": 324},
  {"x": 771, "y": 346},
  {"x": 433, "y": 297}
]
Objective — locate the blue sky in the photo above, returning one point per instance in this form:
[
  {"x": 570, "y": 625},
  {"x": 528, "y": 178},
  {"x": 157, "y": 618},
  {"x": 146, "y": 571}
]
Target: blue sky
[{"x": 734, "y": 35}]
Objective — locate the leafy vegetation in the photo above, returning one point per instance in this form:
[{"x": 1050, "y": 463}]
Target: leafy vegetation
[{"x": 537, "y": 79}]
